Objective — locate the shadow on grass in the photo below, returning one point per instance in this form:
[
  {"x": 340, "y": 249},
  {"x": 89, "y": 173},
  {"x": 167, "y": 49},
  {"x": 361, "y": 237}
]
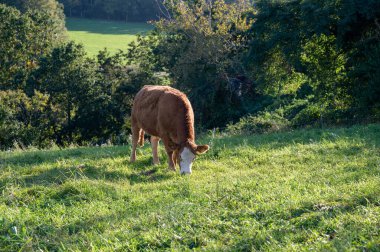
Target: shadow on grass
[
  {"x": 58, "y": 176},
  {"x": 107, "y": 27},
  {"x": 141, "y": 171},
  {"x": 151, "y": 175},
  {"x": 307, "y": 219},
  {"x": 52, "y": 156},
  {"x": 139, "y": 163},
  {"x": 144, "y": 171}
]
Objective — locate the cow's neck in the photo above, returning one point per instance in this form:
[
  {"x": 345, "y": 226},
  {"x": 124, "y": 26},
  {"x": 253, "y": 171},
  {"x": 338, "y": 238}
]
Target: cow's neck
[{"x": 186, "y": 129}]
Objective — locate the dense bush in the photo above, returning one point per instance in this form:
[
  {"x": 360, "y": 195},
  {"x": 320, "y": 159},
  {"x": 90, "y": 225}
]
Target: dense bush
[
  {"x": 261, "y": 123},
  {"x": 308, "y": 116},
  {"x": 23, "y": 119},
  {"x": 331, "y": 45}
]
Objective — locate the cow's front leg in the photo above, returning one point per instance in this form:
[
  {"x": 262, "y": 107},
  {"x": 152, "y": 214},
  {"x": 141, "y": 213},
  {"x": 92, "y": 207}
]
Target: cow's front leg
[
  {"x": 171, "y": 160},
  {"x": 170, "y": 152},
  {"x": 169, "y": 147}
]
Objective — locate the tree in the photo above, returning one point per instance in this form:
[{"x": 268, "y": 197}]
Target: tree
[
  {"x": 325, "y": 46},
  {"x": 70, "y": 5},
  {"x": 24, "y": 38},
  {"x": 23, "y": 120},
  {"x": 200, "y": 44},
  {"x": 69, "y": 77},
  {"x": 51, "y": 8}
]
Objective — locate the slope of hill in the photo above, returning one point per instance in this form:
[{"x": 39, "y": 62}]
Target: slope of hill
[
  {"x": 303, "y": 190},
  {"x": 98, "y": 34}
]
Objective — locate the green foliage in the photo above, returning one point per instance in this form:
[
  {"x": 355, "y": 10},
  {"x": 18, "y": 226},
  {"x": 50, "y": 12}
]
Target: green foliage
[
  {"x": 91, "y": 97},
  {"x": 325, "y": 67},
  {"x": 200, "y": 47},
  {"x": 321, "y": 55},
  {"x": 70, "y": 78},
  {"x": 261, "y": 123},
  {"x": 23, "y": 119},
  {"x": 55, "y": 29},
  {"x": 365, "y": 75},
  {"x": 53, "y": 93},
  {"x": 308, "y": 116},
  {"x": 24, "y": 38},
  {"x": 82, "y": 99},
  {"x": 119, "y": 82},
  {"x": 296, "y": 191},
  {"x": 233, "y": 60}
]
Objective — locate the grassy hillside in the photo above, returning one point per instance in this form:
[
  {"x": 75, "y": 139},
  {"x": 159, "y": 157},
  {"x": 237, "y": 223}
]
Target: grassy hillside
[
  {"x": 303, "y": 190},
  {"x": 98, "y": 34}
]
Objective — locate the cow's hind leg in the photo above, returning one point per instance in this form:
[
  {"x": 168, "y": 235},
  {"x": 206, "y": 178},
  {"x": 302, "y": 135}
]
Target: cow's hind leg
[
  {"x": 135, "y": 138},
  {"x": 141, "y": 138},
  {"x": 155, "y": 140}
]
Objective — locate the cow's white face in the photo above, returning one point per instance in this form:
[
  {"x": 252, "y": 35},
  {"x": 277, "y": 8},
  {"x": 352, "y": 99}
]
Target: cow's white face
[{"x": 186, "y": 161}]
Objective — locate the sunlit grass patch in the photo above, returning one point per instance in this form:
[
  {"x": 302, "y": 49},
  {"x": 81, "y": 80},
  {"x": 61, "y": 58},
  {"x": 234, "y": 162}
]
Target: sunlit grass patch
[{"x": 96, "y": 35}]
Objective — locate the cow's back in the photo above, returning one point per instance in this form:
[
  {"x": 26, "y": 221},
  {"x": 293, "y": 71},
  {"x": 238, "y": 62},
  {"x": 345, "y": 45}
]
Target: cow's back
[{"x": 160, "y": 110}]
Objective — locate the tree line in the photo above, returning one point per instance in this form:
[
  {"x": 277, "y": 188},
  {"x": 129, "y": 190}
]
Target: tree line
[
  {"x": 245, "y": 67},
  {"x": 125, "y": 10}
]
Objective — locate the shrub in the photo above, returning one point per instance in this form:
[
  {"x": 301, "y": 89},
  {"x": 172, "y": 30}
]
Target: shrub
[
  {"x": 308, "y": 116},
  {"x": 262, "y": 123},
  {"x": 22, "y": 119}
]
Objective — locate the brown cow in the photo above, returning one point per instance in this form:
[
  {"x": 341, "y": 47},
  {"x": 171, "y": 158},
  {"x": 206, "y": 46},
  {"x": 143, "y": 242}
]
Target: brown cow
[{"x": 165, "y": 113}]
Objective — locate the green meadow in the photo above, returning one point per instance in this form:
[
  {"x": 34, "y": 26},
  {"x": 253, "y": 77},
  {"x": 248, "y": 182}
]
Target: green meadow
[
  {"x": 304, "y": 190},
  {"x": 95, "y": 35}
]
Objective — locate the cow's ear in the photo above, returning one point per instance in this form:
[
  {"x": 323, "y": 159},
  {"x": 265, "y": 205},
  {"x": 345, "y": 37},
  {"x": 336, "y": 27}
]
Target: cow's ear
[{"x": 201, "y": 149}]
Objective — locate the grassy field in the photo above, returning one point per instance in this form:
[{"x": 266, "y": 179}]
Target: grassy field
[
  {"x": 302, "y": 190},
  {"x": 98, "y": 34}
]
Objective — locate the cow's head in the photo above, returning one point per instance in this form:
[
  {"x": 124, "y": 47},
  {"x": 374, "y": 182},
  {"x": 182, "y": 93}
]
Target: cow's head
[{"x": 186, "y": 155}]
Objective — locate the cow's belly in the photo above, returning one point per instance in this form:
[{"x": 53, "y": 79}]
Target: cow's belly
[{"x": 149, "y": 124}]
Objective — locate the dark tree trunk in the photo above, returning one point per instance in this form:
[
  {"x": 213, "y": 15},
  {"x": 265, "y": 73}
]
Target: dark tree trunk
[{"x": 69, "y": 128}]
